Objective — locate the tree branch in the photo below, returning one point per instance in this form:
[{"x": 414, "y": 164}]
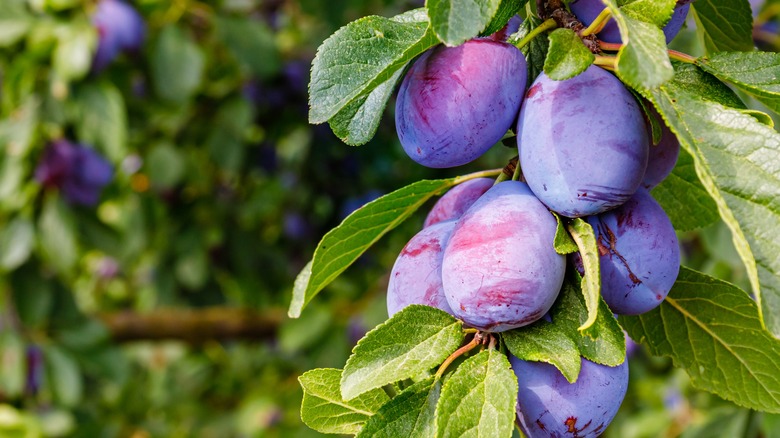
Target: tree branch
[{"x": 193, "y": 325}]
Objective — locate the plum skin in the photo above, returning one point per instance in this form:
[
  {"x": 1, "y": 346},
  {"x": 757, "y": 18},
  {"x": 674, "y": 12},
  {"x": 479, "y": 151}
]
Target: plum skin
[
  {"x": 500, "y": 270},
  {"x": 583, "y": 142},
  {"x": 662, "y": 157},
  {"x": 549, "y": 406},
  {"x": 456, "y": 102},
  {"x": 416, "y": 274},
  {"x": 639, "y": 255},
  {"x": 587, "y": 11},
  {"x": 457, "y": 200}
]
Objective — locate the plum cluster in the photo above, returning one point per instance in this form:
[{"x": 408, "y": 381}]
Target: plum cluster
[{"x": 486, "y": 253}]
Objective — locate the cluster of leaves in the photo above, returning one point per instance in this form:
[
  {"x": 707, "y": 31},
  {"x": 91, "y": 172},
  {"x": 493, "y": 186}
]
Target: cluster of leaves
[{"x": 726, "y": 339}]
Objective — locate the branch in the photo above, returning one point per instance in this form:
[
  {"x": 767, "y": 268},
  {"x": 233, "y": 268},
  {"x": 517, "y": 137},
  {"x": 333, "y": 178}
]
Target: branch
[{"x": 193, "y": 325}]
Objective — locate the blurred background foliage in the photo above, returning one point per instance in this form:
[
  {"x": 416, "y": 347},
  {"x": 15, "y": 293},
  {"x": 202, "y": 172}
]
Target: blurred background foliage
[{"x": 159, "y": 310}]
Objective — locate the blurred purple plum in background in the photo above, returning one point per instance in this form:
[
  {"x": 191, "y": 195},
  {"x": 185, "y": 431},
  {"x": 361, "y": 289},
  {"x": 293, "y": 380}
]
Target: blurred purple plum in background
[
  {"x": 120, "y": 29},
  {"x": 78, "y": 171}
]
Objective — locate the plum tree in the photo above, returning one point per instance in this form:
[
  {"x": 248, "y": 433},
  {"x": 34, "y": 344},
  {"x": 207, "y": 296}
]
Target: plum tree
[
  {"x": 456, "y": 102},
  {"x": 549, "y": 406},
  {"x": 416, "y": 274},
  {"x": 639, "y": 254},
  {"x": 456, "y": 201},
  {"x": 120, "y": 28},
  {"x": 576, "y": 174},
  {"x": 587, "y": 11},
  {"x": 500, "y": 270}
]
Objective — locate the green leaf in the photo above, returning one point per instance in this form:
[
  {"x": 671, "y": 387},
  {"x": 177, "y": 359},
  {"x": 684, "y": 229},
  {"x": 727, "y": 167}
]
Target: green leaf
[
  {"x": 756, "y": 73},
  {"x": 343, "y": 245},
  {"x": 567, "y": 56},
  {"x": 736, "y": 160},
  {"x": 545, "y": 342},
  {"x": 683, "y": 197},
  {"x": 455, "y": 21},
  {"x": 57, "y": 235},
  {"x": 63, "y": 375},
  {"x": 588, "y": 248},
  {"x": 177, "y": 65},
  {"x": 101, "y": 119},
  {"x": 410, "y": 414},
  {"x": 76, "y": 43},
  {"x": 324, "y": 410},
  {"x": 359, "y": 57},
  {"x": 656, "y": 12},
  {"x": 506, "y": 10},
  {"x": 478, "y": 400},
  {"x": 712, "y": 330},
  {"x": 536, "y": 50},
  {"x": 16, "y": 243},
  {"x": 17, "y": 132},
  {"x": 643, "y": 62},
  {"x": 357, "y": 123},
  {"x": 15, "y": 22},
  {"x": 13, "y": 365},
  {"x": 724, "y": 25},
  {"x": 603, "y": 342},
  {"x": 251, "y": 42},
  {"x": 410, "y": 343},
  {"x": 563, "y": 243},
  {"x": 704, "y": 86}
]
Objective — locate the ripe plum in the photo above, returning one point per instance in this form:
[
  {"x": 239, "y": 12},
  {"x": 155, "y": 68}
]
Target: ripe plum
[
  {"x": 457, "y": 102},
  {"x": 639, "y": 254},
  {"x": 120, "y": 28},
  {"x": 662, "y": 157},
  {"x": 549, "y": 406},
  {"x": 500, "y": 270},
  {"x": 583, "y": 142},
  {"x": 456, "y": 201},
  {"x": 416, "y": 274}
]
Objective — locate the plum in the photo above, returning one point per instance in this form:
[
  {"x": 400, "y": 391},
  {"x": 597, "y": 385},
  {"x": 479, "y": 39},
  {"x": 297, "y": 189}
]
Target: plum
[
  {"x": 456, "y": 201},
  {"x": 120, "y": 29},
  {"x": 500, "y": 270},
  {"x": 456, "y": 102},
  {"x": 416, "y": 274},
  {"x": 583, "y": 142},
  {"x": 639, "y": 254},
  {"x": 549, "y": 406},
  {"x": 78, "y": 171},
  {"x": 587, "y": 11},
  {"x": 662, "y": 157}
]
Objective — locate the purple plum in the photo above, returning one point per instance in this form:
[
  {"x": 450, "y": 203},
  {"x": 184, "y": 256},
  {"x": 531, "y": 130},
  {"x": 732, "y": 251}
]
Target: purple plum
[
  {"x": 416, "y": 274},
  {"x": 583, "y": 142},
  {"x": 662, "y": 157},
  {"x": 79, "y": 171},
  {"x": 587, "y": 11},
  {"x": 457, "y": 102},
  {"x": 639, "y": 254},
  {"x": 120, "y": 29},
  {"x": 456, "y": 201},
  {"x": 549, "y": 406},
  {"x": 500, "y": 270}
]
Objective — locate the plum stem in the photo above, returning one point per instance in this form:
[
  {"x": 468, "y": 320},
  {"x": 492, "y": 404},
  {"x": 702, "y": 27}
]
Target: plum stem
[
  {"x": 475, "y": 342},
  {"x": 598, "y": 23},
  {"x": 683, "y": 57},
  {"x": 508, "y": 171},
  {"x": 606, "y": 62},
  {"x": 482, "y": 174},
  {"x": 544, "y": 27},
  {"x": 673, "y": 54}
]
